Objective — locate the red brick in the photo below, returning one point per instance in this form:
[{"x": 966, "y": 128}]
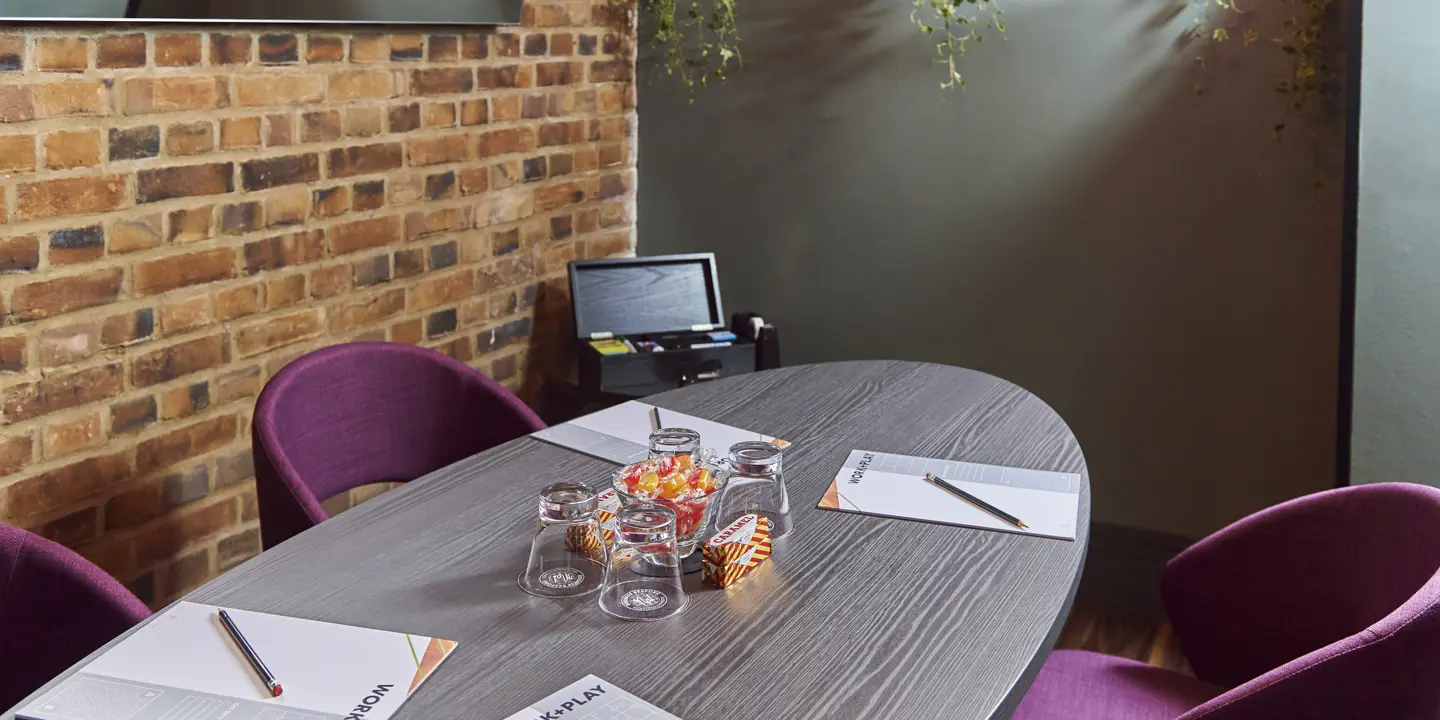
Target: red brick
[
  {"x": 188, "y": 573},
  {"x": 132, "y": 415},
  {"x": 279, "y": 130},
  {"x": 277, "y": 332},
  {"x": 287, "y": 207},
  {"x": 364, "y": 121},
  {"x": 17, "y": 154},
  {"x": 275, "y": 172},
  {"x": 61, "y": 391},
  {"x": 67, "y": 485},
  {"x": 364, "y": 234},
  {"x": 71, "y": 196},
  {"x": 13, "y": 352},
  {"x": 558, "y": 196},
  {"x": 438, "y": 115},
  {"x": 176, "y": 271},
  {"x": 177, "y": 361},
  {"x": 369, "y": 48},
  {"x": 177, "y": 49},
  {"x": 184, "y": 401},
  {"x": 134, "y": 507},
  {"x": 237, "y": 302},
  {"x": 62, "y": 54},
  {"x": 404, "y": 118},
  {"x": 367, "y": 311},
  {"x": 562, "y": 44},
  {"x": 187, "y": 442},
  {"x": 441, "y": 290},
  {"x": 502, "y": 142},
  {"x": 325, "y": 49},
  {"x": 72, "y": 149},
  {"x": 15, "y": 453},
  {"x": 330, "y": 202},
  {"x": 562, "y": 133},
  {"x": 475, "y": 46},
  {"x": 418, "y": 225},
  {"x": 406, "y": 47},
  {"x": 320, "y": 126},
  {"x": 17, "y": 103},
  {"x": 474, "y": 112},
  {"x": 444, "y": 48},
  {"x": 284, "y": 291},
  {"x": 71, "y": 436},
  {"x": 193, "y": 138},
  {"x": 178, "y": 316},
  {"x": 441, "y": 81},
  {"x": 169, "y": 537},
  {"x": 185, "y": 181},
  {"x": 69, "y": 344},
  {"x": 77, "y": 527},
  {"x": 237, "y": 548},
  {"x": 232, "y": 386},
  {"x": 127, "y": 328},
  {"x": 126, "y": 236},
  {"x": 558, "y": 73},
  {"x": 507, "y": 76},
  {"x": 192, "y": 225},
  {"x": 361, "y": 85},
  {"x": 365, "y": 159},
  {"x": 12, "y": 53},
  {"x": 19, "y": 254},
  {"x": 57, "y": 296},
  {"x": 445, "y": 149},
  {"x": 275, "y": 89},
  {"x": 611, "y": 71},
  {"x": 283, "y": 250},
  {"x": 329, "y": 282},
  {"x": 121, "y": 51},
  {"x": 239, "y": 133},
  {"x": 174, "y": 94},
  {"x": 279, "y": 49},
  {"x": 228, "y": 49},
  {"x": 474, "y": 181}
]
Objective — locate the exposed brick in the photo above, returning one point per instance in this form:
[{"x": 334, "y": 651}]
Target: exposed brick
[
  {"x": 444, "y": 48},
  {"x": 279, "y": 130},
  {"x": 503, "y": 208},
  {"x": 178, "y": 316},
  {"x": 77, "y": 245},
  {"x": 12, "y": 53},
  {"x": 134, "y": 143},
  {"x": 440, "y": 186},
  {"x": 409, "y": 262},
  {"x": 275, "y": 332},
  {"x": 127, "y": 328},
  {"x": 17, "y": 154},
  {"x": 489, "y": 78},
  {"x": 441, "y": 290},
  {"x": 273, "y": 89},
  {"x": 57, "y": 392},
  {"x": 67, "y": 149},
  {"x": 324, "y": 49},
  {"x": 69, "y": 344},
  {"x": 440, "y": 115},
  {"x": 507, "y": 44},
  {"x": 558, "y": 73},
  {"x": 534, "y": 106},
  {"x": 535, "y": 44},
  {"x": 192, "y": 138},
  {"x": 241, "y": 218},
  {"x": 71, "y": 436},
  {"x": 166, "y": 539},
  {"x": 237, "y": 548},
  {"x": 121, "y": 51},
  {"x": 505, "y": 241},
  {"x": 19, "y": 254},
  {"x": 474, "y": 112},
  {"x": 406, "y": 47},
  {"x": 561, "y": 227},
  {"x": 367, "y": 311},
  {"x": 17, "y": 103},
  {"x": 275, "y": 172},
  {"x": 188, "y": 572},
  {"x": 57, "y": 296},
  {"x": 176, "y": 271},
  {"x": 181, "y": 444},
  {"x": 612, "y": 186},
  {"x": 503, "y": 336},
  {"x": 287, "y": 207},
  {"x": 364, "y": 234},
  {"x": 404, "y": 118},
  {"x": 474, "y": 46},
  {"x": 177, "y": 49},
  {"x": 418, "y": 225},
  {"x": 184, "y": 181},
  {"x": 562, "y": 44},
  {"x": 329, "y": 282},
  {"x": 62, "y": 54},
  {"x": 365, "y": 159},
  {"x": 364, "y": 121},
  {"x": 330, "y": 202},
  {"x": 558, "y": 196},
  {"x": 535, "y": 169},
  {"x": 232, "y": 386},
  {"x": 441, "y": 81},
  {"x": 506, "y": 271},
  {"x": 474, "y": 181},
  {"x": 509, "y": 140},
  {"x": 504, "y": 174},
  {"x": 361, "y": 85},
  {"x": 368, "y": 195},
  {"x": 67, "y": 485},
  {"x": 71, "y": 196},
  {"x": 410, "y": 332},
  {"x": 174, "y": 94},
  {"x": 503, "y": 368},
  {"x": 369, "y": 48},
  {"x": 441, "y": 323},
  {"x": 562, "y": 133},
  {"x": 178, "y": 361},
  {"x": 284, "y": 291},
  {"x": 237, "y": 301},
  {"x": 13, "y": 352},
  {"x": 132, "y": 415},
  {"x": 191, "y": 225},
  {"x": 279, "y": 49},
  {"x": 126, "y": 236},
  {"x": 15, "y": 454},
  {"x": 611, "y": 71},
  {"x": 72, "y": 529},
  {"x": 184, "y": 401},
  {"x": 284, "y": 250},
  {"x": 371, "y": 271},
  {"x": 227, "y": 49},
  {"x": 240, "y": 133}
]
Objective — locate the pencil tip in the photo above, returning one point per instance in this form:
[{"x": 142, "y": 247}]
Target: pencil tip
[{"x": 1022, "y": 526}]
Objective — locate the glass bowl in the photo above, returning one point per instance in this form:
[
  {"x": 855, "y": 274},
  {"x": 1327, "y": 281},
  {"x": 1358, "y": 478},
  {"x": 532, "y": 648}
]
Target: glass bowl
[{"x": 693, "y": 513}]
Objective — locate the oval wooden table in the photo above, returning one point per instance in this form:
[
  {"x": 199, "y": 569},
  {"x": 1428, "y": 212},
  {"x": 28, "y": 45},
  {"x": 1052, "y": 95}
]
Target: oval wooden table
[{"x": 856, "y": 617}]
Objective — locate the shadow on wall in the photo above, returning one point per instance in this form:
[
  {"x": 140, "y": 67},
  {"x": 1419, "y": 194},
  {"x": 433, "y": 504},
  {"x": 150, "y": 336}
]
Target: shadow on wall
[{"x": 1078, "y": 221}]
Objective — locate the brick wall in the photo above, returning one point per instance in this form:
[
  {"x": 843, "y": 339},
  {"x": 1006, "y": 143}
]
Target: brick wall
[{"x": 185, "y": 209}]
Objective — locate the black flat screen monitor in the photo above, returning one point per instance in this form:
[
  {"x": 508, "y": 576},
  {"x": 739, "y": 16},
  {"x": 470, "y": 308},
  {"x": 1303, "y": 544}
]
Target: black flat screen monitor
[{"x": 644, "y": 296}]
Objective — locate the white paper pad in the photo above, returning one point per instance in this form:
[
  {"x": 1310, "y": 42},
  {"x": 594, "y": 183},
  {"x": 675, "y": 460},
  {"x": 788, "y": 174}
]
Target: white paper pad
[
  {"x": 876, "y": 483},
  {"x": 592, "y": 699},
  {"x": 621, "y": 434},
  {"x": 182, "y": 666}
]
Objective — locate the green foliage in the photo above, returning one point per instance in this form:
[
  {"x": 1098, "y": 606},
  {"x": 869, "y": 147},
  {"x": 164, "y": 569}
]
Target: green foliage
[
  {"x": 695, "y": 44},
  {"x": 952, "y": 25}
]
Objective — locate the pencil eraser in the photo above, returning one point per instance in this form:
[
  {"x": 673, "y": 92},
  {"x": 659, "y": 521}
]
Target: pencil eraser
[{"x": 277, "y": 690}]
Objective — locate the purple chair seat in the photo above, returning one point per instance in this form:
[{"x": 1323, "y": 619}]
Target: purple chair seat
[
  {"x": 55, "y": 608},
  {"x": 362, "y": 413},
  {"x": 1078, "y": 684},
  {"x": 1326, "y": 607}
]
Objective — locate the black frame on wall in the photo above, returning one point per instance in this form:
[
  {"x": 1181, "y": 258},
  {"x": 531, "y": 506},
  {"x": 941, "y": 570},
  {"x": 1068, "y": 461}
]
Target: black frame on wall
[{"x": 1354, "y": 31}]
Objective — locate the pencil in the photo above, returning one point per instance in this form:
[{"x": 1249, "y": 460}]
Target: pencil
[
  {"x": 271, "y": 684},
  {"x": 655, "y": 419},
  {"x": 977, "y": 502}
]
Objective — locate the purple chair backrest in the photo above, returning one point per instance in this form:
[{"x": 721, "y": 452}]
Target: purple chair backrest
[
  {"x": 55, "y": 608},
  {"x": 361, "y": 413},
  {"x": 1323, "y": 607}
]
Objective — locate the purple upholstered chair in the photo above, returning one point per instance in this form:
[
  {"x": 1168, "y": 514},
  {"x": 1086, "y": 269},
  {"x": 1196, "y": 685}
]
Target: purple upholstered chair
[
  {"x": 55, "y": 608},
  {"x": 1325, "y": 607},
  {"x": 351, "y": 415}
]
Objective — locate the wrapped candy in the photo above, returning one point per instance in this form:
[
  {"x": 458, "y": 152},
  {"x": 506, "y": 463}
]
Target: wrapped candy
[{"x": 737, "y": 550}]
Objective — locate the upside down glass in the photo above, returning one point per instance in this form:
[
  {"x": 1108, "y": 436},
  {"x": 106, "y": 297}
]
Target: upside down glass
[
  {"x": 567, "y": 552},
  {"x": 643, "y": 579},
  {"x": 668, "y": 442}
]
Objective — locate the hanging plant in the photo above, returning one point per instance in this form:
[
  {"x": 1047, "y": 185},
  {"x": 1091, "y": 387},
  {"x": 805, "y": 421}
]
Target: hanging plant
[
  {"x": 953, "y": 25},
  {"x": 694, "y": 45}
]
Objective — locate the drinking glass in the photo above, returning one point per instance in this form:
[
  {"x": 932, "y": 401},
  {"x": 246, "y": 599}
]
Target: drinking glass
[
  {"x": 643, "y": 581},
  {"x": 673, "y": 441},
  {"x": 755, "y": 485},
  {"x": 567, "y": 552}
]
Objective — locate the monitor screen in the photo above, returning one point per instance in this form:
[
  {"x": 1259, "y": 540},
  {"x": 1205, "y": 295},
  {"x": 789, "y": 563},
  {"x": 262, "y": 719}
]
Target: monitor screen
[
  {"x": 637, "y": 299},
  {"x": 365, "y": 11}
]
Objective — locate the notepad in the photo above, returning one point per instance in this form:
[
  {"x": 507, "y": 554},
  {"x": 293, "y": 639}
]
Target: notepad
[
  {"x": 591, "y": 698},
  {"x": 876, "y": 483},
  {"x": 182, "y": 666},
  {"x": 621, "y": 434}
]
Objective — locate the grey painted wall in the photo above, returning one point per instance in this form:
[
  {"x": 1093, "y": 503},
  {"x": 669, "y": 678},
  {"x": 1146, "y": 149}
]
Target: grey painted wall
[
  {"x": 1079, "y": 221},
  {"x": 1397, "y": 293}
]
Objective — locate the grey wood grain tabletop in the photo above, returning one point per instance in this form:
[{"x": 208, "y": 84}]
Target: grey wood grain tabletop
[{"x": 853, "y": 617}]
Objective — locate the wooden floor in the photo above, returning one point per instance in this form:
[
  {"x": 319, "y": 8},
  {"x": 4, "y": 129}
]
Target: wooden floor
[{"x": 1148, "y": 642}]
